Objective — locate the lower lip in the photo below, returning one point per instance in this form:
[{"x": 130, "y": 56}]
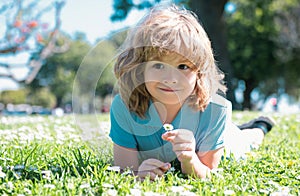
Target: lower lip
[{"x": 167, "y": 90}]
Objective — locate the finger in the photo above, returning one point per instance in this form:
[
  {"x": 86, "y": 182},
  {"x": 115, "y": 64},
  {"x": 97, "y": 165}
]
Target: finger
[
  {"x": 153, "y": 175},
  {"x": 183, "y": 146},
  {"x": 158, "y": 172},
  {"x": 170, "y": 135},
  {"x": 165, "y": 167},
  {"x": 184, "y": 136},
  {"x": 155, "y": 163}
]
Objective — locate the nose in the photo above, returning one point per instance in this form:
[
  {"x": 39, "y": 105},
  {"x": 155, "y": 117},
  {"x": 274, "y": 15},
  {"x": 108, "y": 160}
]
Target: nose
[{"x": 170, "y": 76}]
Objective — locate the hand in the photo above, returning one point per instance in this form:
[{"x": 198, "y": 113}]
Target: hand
[
  {"x": 153, "y": 168},
  {"x": 183, "y": 142}
]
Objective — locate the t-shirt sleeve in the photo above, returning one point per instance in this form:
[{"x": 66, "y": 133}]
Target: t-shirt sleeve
[
  {"x": 120, "y": 131},
  {"x": 211, "y": 136}
]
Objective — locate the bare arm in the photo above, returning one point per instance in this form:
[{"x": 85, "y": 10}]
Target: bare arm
[
  {"x": 211, "y": 158},
  {"x": 126, "y": 157}
]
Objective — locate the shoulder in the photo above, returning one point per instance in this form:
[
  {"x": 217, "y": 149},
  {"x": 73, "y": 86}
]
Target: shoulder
[
  {"x": 117, "y": 101},
  {"x": 118, "y": 105},
  {"x": 220, "y": 102},
  {"x": 218, "y": 107}
]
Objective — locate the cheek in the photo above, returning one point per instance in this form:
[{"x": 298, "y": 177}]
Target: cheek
[
  {"x": 192, "y": 79},
  {"x": 151, "y": 76},
  {"x": 147, "y": 75}
]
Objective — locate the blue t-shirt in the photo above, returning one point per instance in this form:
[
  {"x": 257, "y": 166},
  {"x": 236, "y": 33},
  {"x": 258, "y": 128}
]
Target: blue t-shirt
[{"x": 144, "y": 134}]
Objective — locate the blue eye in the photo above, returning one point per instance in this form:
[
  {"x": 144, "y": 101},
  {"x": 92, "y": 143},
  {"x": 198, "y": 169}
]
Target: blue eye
[
  {"x": 158, "y": 66},
  {"x": 183, "y": 67}
]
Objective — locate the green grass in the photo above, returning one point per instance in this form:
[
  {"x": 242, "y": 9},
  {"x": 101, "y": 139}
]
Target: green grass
[{"x": 56, "y": 156}]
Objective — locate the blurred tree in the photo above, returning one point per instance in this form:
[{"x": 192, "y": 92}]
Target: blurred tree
[
  {"x": 43, "y": 97},
  {"x": 59, "y": 71},
  {"x": 253, "y": 36},
  {"x": 251, "y": 30},
  {"x": 94, "y": 76},
  {"x": 62, "y": 85},
  {"x": 287, "y": 20},
  {"x": 107, "y": 80},
  {"x": 211, "y": 15},
  {"x": 25, "y": 33},
  {"x": 13, "y": 96}
]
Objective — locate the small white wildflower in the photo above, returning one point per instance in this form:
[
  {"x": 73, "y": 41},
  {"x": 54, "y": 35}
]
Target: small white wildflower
[
  {"x": 172, "y": 169},
  {"x": 27, "y": 191},
  {"x": 282, "y": 191},
  {"x": 46, "y": 174},
  {"x": 213, "y": 190},
  {"x": 264, "y": 191},
  {"x": 278, "y": 193},
  {"x": 10, "y": 185},
  {"x": 177, "y": 189},
  {"x": 84, "y": 186},
  {"x": 150, "y": 193},
  {"x": 187, "y": 193},
  {"x": 229, "y": 192},
  {"x": 70, "y": 185},
  {"x": 114, "y": 168},
  {"x": 106, "y": 185},
  {"x": 50, "y": 186},
  {"x": 136, "y": 186},
  {"x": 2, "y": 174},
  {"x": 216, "y": 172},
  {"x": 135, "y": 192},
  {"x": 111, "y": 192},
  {"x": 168, "y": 127}
]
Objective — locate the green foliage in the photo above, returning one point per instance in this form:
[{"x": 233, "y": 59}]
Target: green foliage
[
  {"x": 62, "y": 85},
  {"x": 107, "y": 80},
  {"x": 47, "y": 156},
  {"x": 42, "y": 97},
  {"x": 258, "y": 45},
  {"x": 69, "y": 60},
  {"x": 13, "y": 96},
  {"x": 91, "y": 68},
  {"x": 250, "y": 32},
  {"x": 288, "y": 23},
  {"x": 95, "y": 75},
  {"x": 59, "y": 72}
]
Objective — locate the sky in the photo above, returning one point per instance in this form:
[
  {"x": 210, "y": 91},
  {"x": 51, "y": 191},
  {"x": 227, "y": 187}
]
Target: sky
[{"x": 91, "y": 17}]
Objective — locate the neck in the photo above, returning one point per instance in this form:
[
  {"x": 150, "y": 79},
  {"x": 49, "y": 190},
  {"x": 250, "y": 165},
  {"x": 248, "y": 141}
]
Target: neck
[{"x": 167, "y": 112}]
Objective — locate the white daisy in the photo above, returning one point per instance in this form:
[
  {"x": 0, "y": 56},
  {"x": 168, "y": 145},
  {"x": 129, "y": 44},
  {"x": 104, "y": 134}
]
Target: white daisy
[{"x": 168, "y": 127}]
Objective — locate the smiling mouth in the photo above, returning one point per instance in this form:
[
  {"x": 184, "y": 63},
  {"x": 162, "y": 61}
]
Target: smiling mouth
[{"x": 168, "y": 90}]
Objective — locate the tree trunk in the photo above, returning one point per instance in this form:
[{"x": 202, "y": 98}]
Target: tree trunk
[
  {"x": 59, "y": 101},
  {"x": 210, "y": 14},
  {"x": 247, "y": 94}
]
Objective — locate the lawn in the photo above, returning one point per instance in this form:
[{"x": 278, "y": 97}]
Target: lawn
[{"x": 46, "y": 155}]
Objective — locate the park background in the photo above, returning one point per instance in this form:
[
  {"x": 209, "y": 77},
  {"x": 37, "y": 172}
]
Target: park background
[
  {"x": 256, "y": 45},
  {"x": 58, "y": 69}
]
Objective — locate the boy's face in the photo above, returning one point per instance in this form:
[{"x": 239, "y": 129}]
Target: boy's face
[{"x": 171, "y": 79}]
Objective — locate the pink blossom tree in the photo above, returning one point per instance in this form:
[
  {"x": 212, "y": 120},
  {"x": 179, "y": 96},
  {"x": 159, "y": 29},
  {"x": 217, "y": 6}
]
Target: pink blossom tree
[{"x": 26, "y": 30}]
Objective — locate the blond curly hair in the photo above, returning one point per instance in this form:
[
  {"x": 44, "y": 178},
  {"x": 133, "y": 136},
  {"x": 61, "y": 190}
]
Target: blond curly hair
[{"x": 162, "y": 31}]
